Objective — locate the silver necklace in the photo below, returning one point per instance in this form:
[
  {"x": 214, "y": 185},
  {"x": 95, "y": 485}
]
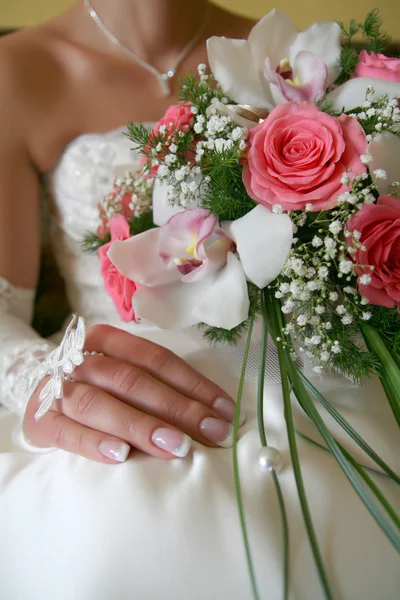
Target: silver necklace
[{"x": 163, "y": 78}]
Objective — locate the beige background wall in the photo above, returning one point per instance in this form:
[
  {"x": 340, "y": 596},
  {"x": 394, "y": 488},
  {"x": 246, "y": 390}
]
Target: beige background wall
[{"x": 28, "y": 12}]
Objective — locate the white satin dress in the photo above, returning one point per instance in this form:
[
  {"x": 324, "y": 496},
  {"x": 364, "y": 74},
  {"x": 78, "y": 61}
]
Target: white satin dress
[{"x": 71, "y": 529}]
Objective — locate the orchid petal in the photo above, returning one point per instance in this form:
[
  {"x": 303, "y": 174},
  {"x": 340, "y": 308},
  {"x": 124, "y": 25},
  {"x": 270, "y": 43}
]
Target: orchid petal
[
  {"x": 271, "y": 37},
  {"x": 263, "y": 241},
  {"x": 215, "y": 258},
  {"x": 385, "y": 152},
  {"x": 233, "y": 67},
  {"x": 312, "y": 72},
  {"x": 170, "y": 306},
  {"x": 322, "y": 39},
  {"x": 138, "y": 259},
  {"x": 226, "y": 304},
  {"x": 162, "y": 210},
  {"x": 353, "y": 93}
]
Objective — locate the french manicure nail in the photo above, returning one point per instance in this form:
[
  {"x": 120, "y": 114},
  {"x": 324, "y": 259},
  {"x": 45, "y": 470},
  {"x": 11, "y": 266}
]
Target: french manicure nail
[
  {"x": 226, "y": 408},
  {"x": 218, "y": 432},
  {"x": 115, "y": 450},
  {"x": 172, "y": 441}
]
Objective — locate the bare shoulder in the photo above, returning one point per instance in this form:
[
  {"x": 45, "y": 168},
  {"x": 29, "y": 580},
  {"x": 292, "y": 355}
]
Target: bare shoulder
[
  {"x": 231, "y": 24},
  {"x": 29, "y": 66}
]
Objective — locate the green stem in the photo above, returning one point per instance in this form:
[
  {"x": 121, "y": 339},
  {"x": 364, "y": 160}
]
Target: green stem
[
  {"x": 263, "y": 440},
  {"x": 306, "y": 403},
  {"x": 306, "y": 438},
  {"x": 390, "y": 376},
  {"x": 360, "y": 469},
  {"x": 348, "y": 429},
  {"x": 261, "y": 378},
  {"x": 296, "y": 465},
  {"x": 238, "y": 489}
]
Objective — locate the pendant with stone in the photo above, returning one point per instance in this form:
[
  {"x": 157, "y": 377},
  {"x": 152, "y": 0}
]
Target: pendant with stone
[{"x": 165, "y": 83}]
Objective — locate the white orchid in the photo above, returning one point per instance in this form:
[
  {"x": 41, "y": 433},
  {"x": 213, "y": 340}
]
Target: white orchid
[
  {"x": 276, "y": 63},
  {"x": 190, "y": 270},
  {"x": 353, "y": 93},
  {"x": 385, "y": 152}
]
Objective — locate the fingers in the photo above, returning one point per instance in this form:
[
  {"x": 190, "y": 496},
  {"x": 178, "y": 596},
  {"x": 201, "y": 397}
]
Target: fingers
[
  {"x": 95, "y": 425},
  {"x": 56, "y": 430},
  {"x": 160, "y": 363},
  {"x": 146, "y": 394},
  {"x": 99, "y": 410}
]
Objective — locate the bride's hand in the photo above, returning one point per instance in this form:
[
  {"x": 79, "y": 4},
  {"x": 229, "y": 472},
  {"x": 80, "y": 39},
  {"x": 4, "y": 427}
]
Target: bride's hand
[{"x": 138, "y": 394}]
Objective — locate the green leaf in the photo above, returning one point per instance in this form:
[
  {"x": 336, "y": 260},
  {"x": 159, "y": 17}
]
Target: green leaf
[
  {"x": 270, "y": 317},
  {"x": 349, "y": 429},
  {"x": 263, "y": 439},
  {"x": 236, "y": 473}
]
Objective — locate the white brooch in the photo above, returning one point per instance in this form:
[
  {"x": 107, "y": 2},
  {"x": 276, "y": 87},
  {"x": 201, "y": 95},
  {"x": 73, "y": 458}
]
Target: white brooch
[{"x": 60, "y": 363}]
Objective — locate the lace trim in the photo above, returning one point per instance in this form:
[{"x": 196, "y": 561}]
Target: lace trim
[
  {"x": 18, "y": 373},
  {"x": 22, "y": 351},
  {"x": 62, "y": 361}
]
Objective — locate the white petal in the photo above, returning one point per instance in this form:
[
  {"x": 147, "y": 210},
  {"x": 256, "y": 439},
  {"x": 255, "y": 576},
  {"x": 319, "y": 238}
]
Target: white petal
[
  {"x": 137, "y": 258},
  {"x": 385, "y": 152},
  {"x": 162, "y": 211},
  {"x": 226, "y": 304},
  {"x": 271, "y": 38},
  {"x": 324, "y": 40},
  {"x": 263, "y": 241},
  {"x": 353, "y": 93},
  {"x": 170, "y": 306},
  {"x": 233, "y": 67}
]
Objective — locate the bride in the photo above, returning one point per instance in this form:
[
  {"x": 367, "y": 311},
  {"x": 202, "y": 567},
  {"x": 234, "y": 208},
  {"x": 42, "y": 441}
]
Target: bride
[{"x": 98, "y": 529}]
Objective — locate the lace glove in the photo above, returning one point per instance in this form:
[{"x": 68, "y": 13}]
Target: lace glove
[{"x": 22, "y": 351}]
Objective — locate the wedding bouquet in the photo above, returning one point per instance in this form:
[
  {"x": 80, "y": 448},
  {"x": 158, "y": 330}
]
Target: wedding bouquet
[{"x": 272, "y": 191}]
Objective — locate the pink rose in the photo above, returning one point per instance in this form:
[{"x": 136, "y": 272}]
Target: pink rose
[
  {"x": 378, "y": 66},
  {"x": 298, "y": 155},
  {"x": 179, "y": 117},
  {"x": 379, "y": 225},
  {"x": 118, "y": 287}
]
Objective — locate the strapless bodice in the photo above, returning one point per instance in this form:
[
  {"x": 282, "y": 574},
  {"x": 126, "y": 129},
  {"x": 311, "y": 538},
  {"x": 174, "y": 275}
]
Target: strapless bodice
[{"x": 84, "y": 174}]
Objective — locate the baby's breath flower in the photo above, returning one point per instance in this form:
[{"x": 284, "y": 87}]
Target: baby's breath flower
[
  {"x": 347, "y": 319},
  {"x": 335, "y": 227},
  {"x": 345, "y": 266},
  {"x": 380, "y": 174},
  {"x": 366, "y": 316},
  {"x": 365, "y": 279},
  {"x": 317, "y": 242}
]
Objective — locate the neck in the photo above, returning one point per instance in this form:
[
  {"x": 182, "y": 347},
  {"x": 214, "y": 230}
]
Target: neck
[{"x": 155, "y": 29}]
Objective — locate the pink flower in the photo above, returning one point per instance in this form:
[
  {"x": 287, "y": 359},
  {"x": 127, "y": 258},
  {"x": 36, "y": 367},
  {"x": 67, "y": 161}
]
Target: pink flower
[
  {"x": 192, "y": 243},
  {"x": 192, "y": 270},
  {"x": 298, "y": 155},
  {"x": 378, "y": 66},
  {"x": 118, "y": 204},
  {"x": 118, "y": 287},
  {"x": 179, "y": 117},
  {"x": 379, "y": 225}
]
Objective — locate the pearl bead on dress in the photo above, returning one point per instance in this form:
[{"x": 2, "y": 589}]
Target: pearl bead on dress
[{"x": 269, "y": 459}]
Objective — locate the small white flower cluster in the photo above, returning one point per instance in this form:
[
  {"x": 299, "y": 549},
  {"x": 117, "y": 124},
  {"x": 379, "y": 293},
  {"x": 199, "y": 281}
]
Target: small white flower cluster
[
  {"x": 317, "y": 306},
  {"x": 219, "y": 133},
  {"x": 381, "y": 115},
  {"x": 133, "y": 192},
  {"x": 213, "y": 133}
]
